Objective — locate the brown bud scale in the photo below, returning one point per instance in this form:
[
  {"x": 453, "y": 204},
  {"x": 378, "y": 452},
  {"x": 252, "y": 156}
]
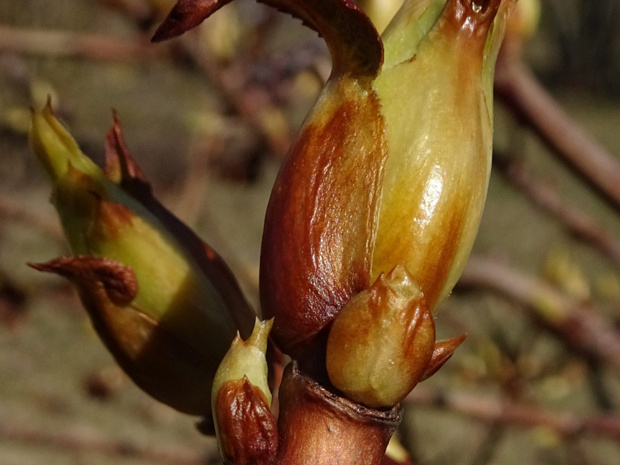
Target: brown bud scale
[{"x": 247, "y": 430}]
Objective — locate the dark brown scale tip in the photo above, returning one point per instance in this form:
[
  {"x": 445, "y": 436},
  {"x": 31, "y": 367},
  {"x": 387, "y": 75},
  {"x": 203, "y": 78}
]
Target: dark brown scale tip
[
  {"x": 353, "y": 41},
  {"x": 118, "y": 281},
  {"x": 120, "y": 167},
  {"x": 186, "y": 15},
  {"x": 441, "y": 354}
]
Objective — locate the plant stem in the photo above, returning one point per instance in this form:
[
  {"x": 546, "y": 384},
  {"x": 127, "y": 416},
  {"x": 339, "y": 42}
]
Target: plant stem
[
  {"x": 516, "y": 86},
  {"x": 506, "y": 412},
  {"x": 578, "y": 325},
  {"x": 316, "y": 426}
]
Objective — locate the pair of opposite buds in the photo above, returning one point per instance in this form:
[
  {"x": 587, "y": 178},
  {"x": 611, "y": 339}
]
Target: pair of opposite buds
[{"x": 368, "y": 228}]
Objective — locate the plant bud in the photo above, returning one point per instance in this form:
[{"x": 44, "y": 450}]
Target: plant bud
[
  {"x": 165, "y": 366},
  {"x": 381, "y": 341},
  {"x": 183, "y": 289},
  {"x": 436, "y": 101},
  {"x": 391, "y": 165},
  {"x": 319, "y": 225},
  {"x": 246, "y": 429}
]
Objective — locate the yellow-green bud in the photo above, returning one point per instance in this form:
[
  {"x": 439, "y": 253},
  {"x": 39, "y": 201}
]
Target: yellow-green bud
[
  {"x": 182, "y": 286},
  {"x": 381, "y": 341},
  {"x": 245, "y": 427},
  {"x": 438, "y": 115},
  {"x": 391, "y": 165}
]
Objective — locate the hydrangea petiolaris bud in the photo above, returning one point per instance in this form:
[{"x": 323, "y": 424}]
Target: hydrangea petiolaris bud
[
  {"x": 246, "y": 428},
  {"x": 163, "y": 302}
]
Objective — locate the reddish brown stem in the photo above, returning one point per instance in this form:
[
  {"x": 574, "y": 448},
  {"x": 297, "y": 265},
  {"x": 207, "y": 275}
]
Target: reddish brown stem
[
  {"x": 316, "y": 426},
  {"x": 502, "y": 411},
  {"x": 74, "y": 441},
  {"x": 573, "y": 219},
  {"x": 66, "y": 44},
  {"x": 580, "y": 327},
  {"x": 516, "y": 86}
]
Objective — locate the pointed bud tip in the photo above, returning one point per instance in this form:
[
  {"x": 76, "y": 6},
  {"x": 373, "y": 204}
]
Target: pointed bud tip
[
  {"x": 442, "y": 352},
  {"x": 246, "y": 360}
]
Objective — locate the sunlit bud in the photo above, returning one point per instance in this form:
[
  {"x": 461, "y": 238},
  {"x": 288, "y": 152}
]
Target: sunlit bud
[
  {"x": 435, "y": 90},
  {"x": 183, "y": 289},
  {"x": 245, "y": 427},
  {"x": 381, "y": 341},
  {"x": 321, "y": 219},
  {"x": 391, "y": 165}
]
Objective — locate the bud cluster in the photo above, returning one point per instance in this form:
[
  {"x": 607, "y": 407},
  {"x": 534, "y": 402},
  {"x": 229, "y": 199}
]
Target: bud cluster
[{"x": 370, "y": 222}]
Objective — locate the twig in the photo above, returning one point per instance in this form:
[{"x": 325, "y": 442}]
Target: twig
[
  {"x": 509, "y": 413},
  {"x": 518, "y": 88},
  {"x": 579, "y": 326},
  {"x": 66, "y": 44},
  {"x": 545, "y": 197},
  {"x": 73, "y": 441},
  {"x": 252, "y": 102}
]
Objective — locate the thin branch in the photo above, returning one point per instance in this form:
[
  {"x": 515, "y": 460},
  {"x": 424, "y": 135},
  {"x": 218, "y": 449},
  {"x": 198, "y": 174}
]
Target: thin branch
[
  {"x": 252, "y": 102},
  {"x": 501, "y": 411},
  {"x": 519, "y": 89},
  {"x": 547, "y": 199},
  {"x": 67, "y": 44},
  {"x": 580, "y": 326},
  {"x": 78, "y": 441}
]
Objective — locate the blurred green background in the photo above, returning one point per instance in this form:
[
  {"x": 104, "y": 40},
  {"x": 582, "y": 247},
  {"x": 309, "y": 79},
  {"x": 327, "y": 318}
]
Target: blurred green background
[{"x": 208, "y": 117}]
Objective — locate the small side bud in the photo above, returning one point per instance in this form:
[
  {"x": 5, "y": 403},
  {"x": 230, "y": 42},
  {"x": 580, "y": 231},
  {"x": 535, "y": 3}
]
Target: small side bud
[
  {"x": 382, "y": 341},
  {"x": 247, "y": 431},
  {"x": 245, "y": 427}
]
